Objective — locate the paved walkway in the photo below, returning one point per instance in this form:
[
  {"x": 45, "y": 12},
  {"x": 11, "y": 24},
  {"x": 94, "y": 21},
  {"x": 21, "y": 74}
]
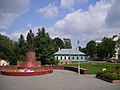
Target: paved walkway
[{"x": 59, "y": 80}]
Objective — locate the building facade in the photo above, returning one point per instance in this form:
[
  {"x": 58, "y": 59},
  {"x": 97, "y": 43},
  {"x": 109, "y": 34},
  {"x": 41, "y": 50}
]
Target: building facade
[
  {"x": 70, "y": 56},
  {"x": 4, "y": 63},
  {"x": 117, "y": 48}
]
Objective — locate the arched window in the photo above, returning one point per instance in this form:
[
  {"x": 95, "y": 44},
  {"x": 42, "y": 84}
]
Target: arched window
[
  {"x": 73, "y": 58},
  {"x": 68, "y": 58},
  {"x": 81, "y": 57},
  {"x": 77, "y": 57},
  {"x": 57, "y": 57}
]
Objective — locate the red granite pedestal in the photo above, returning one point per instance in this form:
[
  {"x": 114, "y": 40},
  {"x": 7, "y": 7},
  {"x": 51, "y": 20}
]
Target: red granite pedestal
[
  {"x": 30, "y": 64},
  {"x": 30, "y": 61}
]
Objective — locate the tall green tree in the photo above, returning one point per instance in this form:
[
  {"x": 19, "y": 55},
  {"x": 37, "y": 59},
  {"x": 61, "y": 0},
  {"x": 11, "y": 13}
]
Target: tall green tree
[
  {"x": 67, "y": 43},
  {"x": 91, "y": 48},
  {"x": 7, "y": 48},
  {"x": 44, "y": 47},
  {"x": 82, "y": 49},
  {"x": 58, "y": 43},
  {"x": 106, "y": 49},
  {"x": 21, "y": 48},
  {"x": 119, "y": 49}
]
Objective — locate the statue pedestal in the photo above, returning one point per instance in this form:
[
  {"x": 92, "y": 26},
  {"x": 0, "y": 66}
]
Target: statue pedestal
[
  {"x": 30, "y": 61},
  {"x": 30, "y": 56}
]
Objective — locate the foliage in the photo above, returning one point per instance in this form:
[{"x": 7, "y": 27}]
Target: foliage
[
  {"x": 58, "y": 43},
  {"x": 21, "y": 48},
  {"x": 67, "y": 43},
  {"x": 44, "y": 47},
  {"x": 111, "y": 73},
  {"x": 84, "y": 50},
  {"x": 91, "y": 48},
  {"x": 106, "y": 49},
  {"x": 118, "y": 45},
  {"x": 7, "y": 48}
]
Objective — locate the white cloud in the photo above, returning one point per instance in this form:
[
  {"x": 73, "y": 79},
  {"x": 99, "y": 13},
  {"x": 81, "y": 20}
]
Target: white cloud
[
  {"x": 70, "y": 3},
  {"x": 53, "y": 33},
  {"x": 10, "y": 10},
  {"x": 24, "y": 31},
  {"x": 16, "y": 34},
  {"x": 113, "y": 16},
  {"x": 85, "y": 25},
  {"x": 49, "y": 11},
  {"x": 4, "y": 33}
]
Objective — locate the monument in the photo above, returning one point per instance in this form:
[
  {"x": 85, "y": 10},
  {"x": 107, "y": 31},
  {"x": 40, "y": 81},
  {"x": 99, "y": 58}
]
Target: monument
[
  {"x": 30, "y": 41},
  {"x": 28, "y": 67},
  {"x": 30, "y": 60}
]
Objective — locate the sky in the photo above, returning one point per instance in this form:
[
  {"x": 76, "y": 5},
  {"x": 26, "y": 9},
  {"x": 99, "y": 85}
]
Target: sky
[{"x": 82, "y": 20}]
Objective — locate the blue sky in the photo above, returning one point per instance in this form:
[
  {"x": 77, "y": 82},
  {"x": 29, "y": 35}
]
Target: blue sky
[{"x": 82, "y": 20}]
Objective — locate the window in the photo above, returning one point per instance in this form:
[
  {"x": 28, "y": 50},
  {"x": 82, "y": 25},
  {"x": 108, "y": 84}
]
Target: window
[
  {"x": 68, "y": 58},
  {"x": 57, "y": 57},
  {"x": 73, "y": 58},
  {"x": 61, "y": 57},
  {"x": 77, "y": 58},
  {"x": 81, "y": 57},
  {"x": 65, "y": 57}
]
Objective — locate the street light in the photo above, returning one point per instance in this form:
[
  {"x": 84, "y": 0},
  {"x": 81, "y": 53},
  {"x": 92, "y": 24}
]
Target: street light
[{"x": 78, "y": 58}]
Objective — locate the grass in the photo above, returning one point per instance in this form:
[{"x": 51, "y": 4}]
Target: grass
[{"x": 93, "y": 68}]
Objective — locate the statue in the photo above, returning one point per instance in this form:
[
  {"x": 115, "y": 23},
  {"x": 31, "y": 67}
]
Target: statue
[{"x": 30, "y": 40}]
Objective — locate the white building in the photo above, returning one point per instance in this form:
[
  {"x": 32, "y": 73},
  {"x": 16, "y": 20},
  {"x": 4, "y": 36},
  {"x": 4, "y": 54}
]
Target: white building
[
  {"x": 70, "y": 56},
  {"x": 4, "y": 63},
  {"x": 117, "y": 48}
]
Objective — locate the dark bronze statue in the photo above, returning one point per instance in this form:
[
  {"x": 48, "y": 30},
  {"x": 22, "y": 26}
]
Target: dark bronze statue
[{"x": 30, "y": 40}]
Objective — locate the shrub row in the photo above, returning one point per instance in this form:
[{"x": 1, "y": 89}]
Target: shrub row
[{"x": 110, "y": 73}]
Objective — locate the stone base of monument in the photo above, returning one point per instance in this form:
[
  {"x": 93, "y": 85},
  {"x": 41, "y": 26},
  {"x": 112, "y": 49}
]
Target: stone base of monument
[
  {"x": 29, "y": 67},
  {"x": 29, "y": 64},
  {"x": 27, "y": 72}
]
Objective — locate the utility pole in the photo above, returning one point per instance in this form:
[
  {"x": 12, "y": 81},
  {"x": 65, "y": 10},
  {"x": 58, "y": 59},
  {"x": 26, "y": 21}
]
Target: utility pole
[{"x": 78, "y": 59}]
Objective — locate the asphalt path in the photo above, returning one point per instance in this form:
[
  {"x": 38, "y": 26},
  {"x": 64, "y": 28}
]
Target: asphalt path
[{"x": 59, "y": 80}]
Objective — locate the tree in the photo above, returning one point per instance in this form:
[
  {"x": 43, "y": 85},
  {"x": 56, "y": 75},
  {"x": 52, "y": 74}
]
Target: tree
[
  {"x": 67, "y": 43},
  {"x": 119, "y": 49},
  {"x": 44, "y": 47},
  {"x": 58, "y": 43},
  {"x": 7, "y": 47},
  {"x": 106, "y": 49},
  {"x": 83, "y": 50},
  {"x": 91, "y": 48},
  {"x": 21, "y": 48}
]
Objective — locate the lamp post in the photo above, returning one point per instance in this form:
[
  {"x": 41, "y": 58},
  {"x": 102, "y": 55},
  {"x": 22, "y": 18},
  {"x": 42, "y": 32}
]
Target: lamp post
[{"x": 78, "y": 59}]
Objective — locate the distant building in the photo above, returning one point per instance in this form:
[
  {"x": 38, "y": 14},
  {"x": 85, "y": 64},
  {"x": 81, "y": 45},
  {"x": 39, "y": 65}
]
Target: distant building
[
  {"x": 97, "y": 42},
  {"x": 4, "y": 63},
  {"x": 117, "y": 48},
  {"x": 115, "y": 37},
  {"x": 69, "y": 56}
]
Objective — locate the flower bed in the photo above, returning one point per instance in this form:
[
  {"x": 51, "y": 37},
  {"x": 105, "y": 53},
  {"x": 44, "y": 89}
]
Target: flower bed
[{"x": 110, "y": 74}]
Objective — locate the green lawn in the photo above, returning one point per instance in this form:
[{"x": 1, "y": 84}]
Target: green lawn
[{"x": 93, "y": 68}]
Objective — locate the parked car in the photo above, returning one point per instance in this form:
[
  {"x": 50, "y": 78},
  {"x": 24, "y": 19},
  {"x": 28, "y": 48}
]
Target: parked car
[{"x": 111, "y": 60}]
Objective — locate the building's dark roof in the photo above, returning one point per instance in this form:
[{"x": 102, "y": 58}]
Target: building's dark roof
[{"x": 69, "y": 51}]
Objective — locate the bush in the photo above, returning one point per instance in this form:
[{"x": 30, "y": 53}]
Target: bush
[{"x": 110, "y": 73}]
